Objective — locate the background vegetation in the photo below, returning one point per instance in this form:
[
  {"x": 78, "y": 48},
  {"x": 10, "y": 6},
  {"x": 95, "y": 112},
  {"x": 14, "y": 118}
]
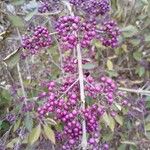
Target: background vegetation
[{"x": 128, "y": 65}]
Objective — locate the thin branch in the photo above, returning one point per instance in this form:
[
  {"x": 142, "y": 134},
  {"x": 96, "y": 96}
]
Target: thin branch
[
  {"x": 69, "y": 88},
  {"x": 21, "y": 82},
  {"x": 139, "y": 91},
  {"x": 48, "y": 14}
]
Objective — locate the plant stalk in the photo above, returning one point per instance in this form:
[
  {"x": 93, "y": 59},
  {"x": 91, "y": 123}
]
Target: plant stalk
[
  {"x": 82, "y": 96},
  {"x": 81, "y": 82}
]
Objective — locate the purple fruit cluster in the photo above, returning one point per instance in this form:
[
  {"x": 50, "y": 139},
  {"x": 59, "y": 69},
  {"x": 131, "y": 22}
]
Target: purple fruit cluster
[
  {"x": 38, "y": 39},
  {"x": 96, "y": 7},
  {"x": 70, "y": 65},
  {"x": 92, "y": 7},
  {"x": 10, "y": 118},
  {"x": 28, "y": 107},
  {"x": 77, "y": 2},
  {"x": 67, "y": 111},
  {"x": 72, "y": 30},
  {"x": 109, "y": 33},
  {"x": 48, "y": 6},
  {"x": 106, "y": 87}
]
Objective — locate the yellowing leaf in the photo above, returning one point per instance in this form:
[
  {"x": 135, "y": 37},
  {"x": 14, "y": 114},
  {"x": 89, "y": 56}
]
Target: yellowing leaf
[
  {"x": 105, "y": 117},
  {"x": 147, "y": 127},
  {"x": 16, "y": 21},
  {"x": 109, "y": 64},
  {"x": 49, "y": 133},
  {"x": 119, "y": 119},
  {"x": 112, "y": 123},
  {"x": 50, "y": 121},
  {"x": 109, "y": 121},
  {"x": 12, "y": 143},
  {"x": 118, "y": 106},
  {"x": 17, "y": 124},
  {"x": 124, "y": 47},
  {"x": 34, "y": 135}
]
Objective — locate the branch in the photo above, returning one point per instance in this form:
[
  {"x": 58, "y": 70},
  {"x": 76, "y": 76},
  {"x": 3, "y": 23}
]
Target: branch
[
  {"x": 139, "y": 91},
  {"x": 69, "y": 88},
  {"x": 81, "y": 82},
  {"x": 82, "y": 96},
  {"x": 21, "y": 82}
]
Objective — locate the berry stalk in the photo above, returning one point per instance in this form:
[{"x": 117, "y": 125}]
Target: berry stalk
[
  {"x": 81, "y": 83},
  {"x": 82, "y": 95}
]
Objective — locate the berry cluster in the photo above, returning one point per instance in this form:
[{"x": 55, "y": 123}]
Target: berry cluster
[
  {"x": 77, "y": 2},
  {"x": 92, "y": 115},
  {"x": 106, "y": 87},
  {"x": 70, "y": 64},
  {"x": 39, "y": 38},
  {"x": 72, "y": 30},
  {"x": 48, "y": 6},
  {"x": 109, "y": 33},
  {"x": 92, "y": 7},
  {"x": 96, "y": 7},
  {"x": 10, "y": 118},
  {"x": 66, "y": 109},
  {"x": 28, "y": 107}
]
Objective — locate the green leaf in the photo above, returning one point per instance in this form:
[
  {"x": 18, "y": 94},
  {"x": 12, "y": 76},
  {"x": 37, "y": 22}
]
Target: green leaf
[
  {"x": 109, "y": 121},
  {"x": 18, "y": 2},
  {"x": 1, "y": 124},
  {"x": 49, "y": 133},
  {"x": 137, "y": 55},
  {"x": 122, "y": 147},
  {"x": 145, "y": 2},
  {"x": 34, "y": 135},
  {"x": 30, "y": 15},
  {"x": 107, "y": 136},
  {"x": 28, "y": 122},
  {"x": 147, "y": 38},
  {"x": 89, "y": 66},
  {"x": 50, "y": 121},
  {"x": 12, "y": 59},
  {"x": 112, "y": 73},
  {"x": 109, "y": 64},
  {"x": 105, "y": 117},
  {"x": 5, "y": 95},
  {"x": 12, "y": 143},
  {"x": 98, "y": 44},
  {"x": 135, "y": 42},
  {"x": 147, "y": 127},
  {"x": 16, "y": 21},
  {"x": 140, "y": 71},
  {"x": 129, "y": 31},
  {"x": 17, "y": 124},
  {"x": 112, "y": 123},
  {"x": 119, "y": 119}
]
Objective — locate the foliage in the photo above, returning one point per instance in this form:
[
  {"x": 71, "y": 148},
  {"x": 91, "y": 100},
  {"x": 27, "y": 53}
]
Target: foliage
[{"x": 24, "y": 75}]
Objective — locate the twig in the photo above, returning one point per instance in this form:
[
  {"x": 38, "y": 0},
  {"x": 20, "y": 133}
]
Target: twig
[
  {"x": 21, "y": 82},
  {"x": 51, "y": 59},
  {"x": 139, "y": 91},
  {"x": 69, "y": 88},
  {"x": 48, "y": 14}
]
